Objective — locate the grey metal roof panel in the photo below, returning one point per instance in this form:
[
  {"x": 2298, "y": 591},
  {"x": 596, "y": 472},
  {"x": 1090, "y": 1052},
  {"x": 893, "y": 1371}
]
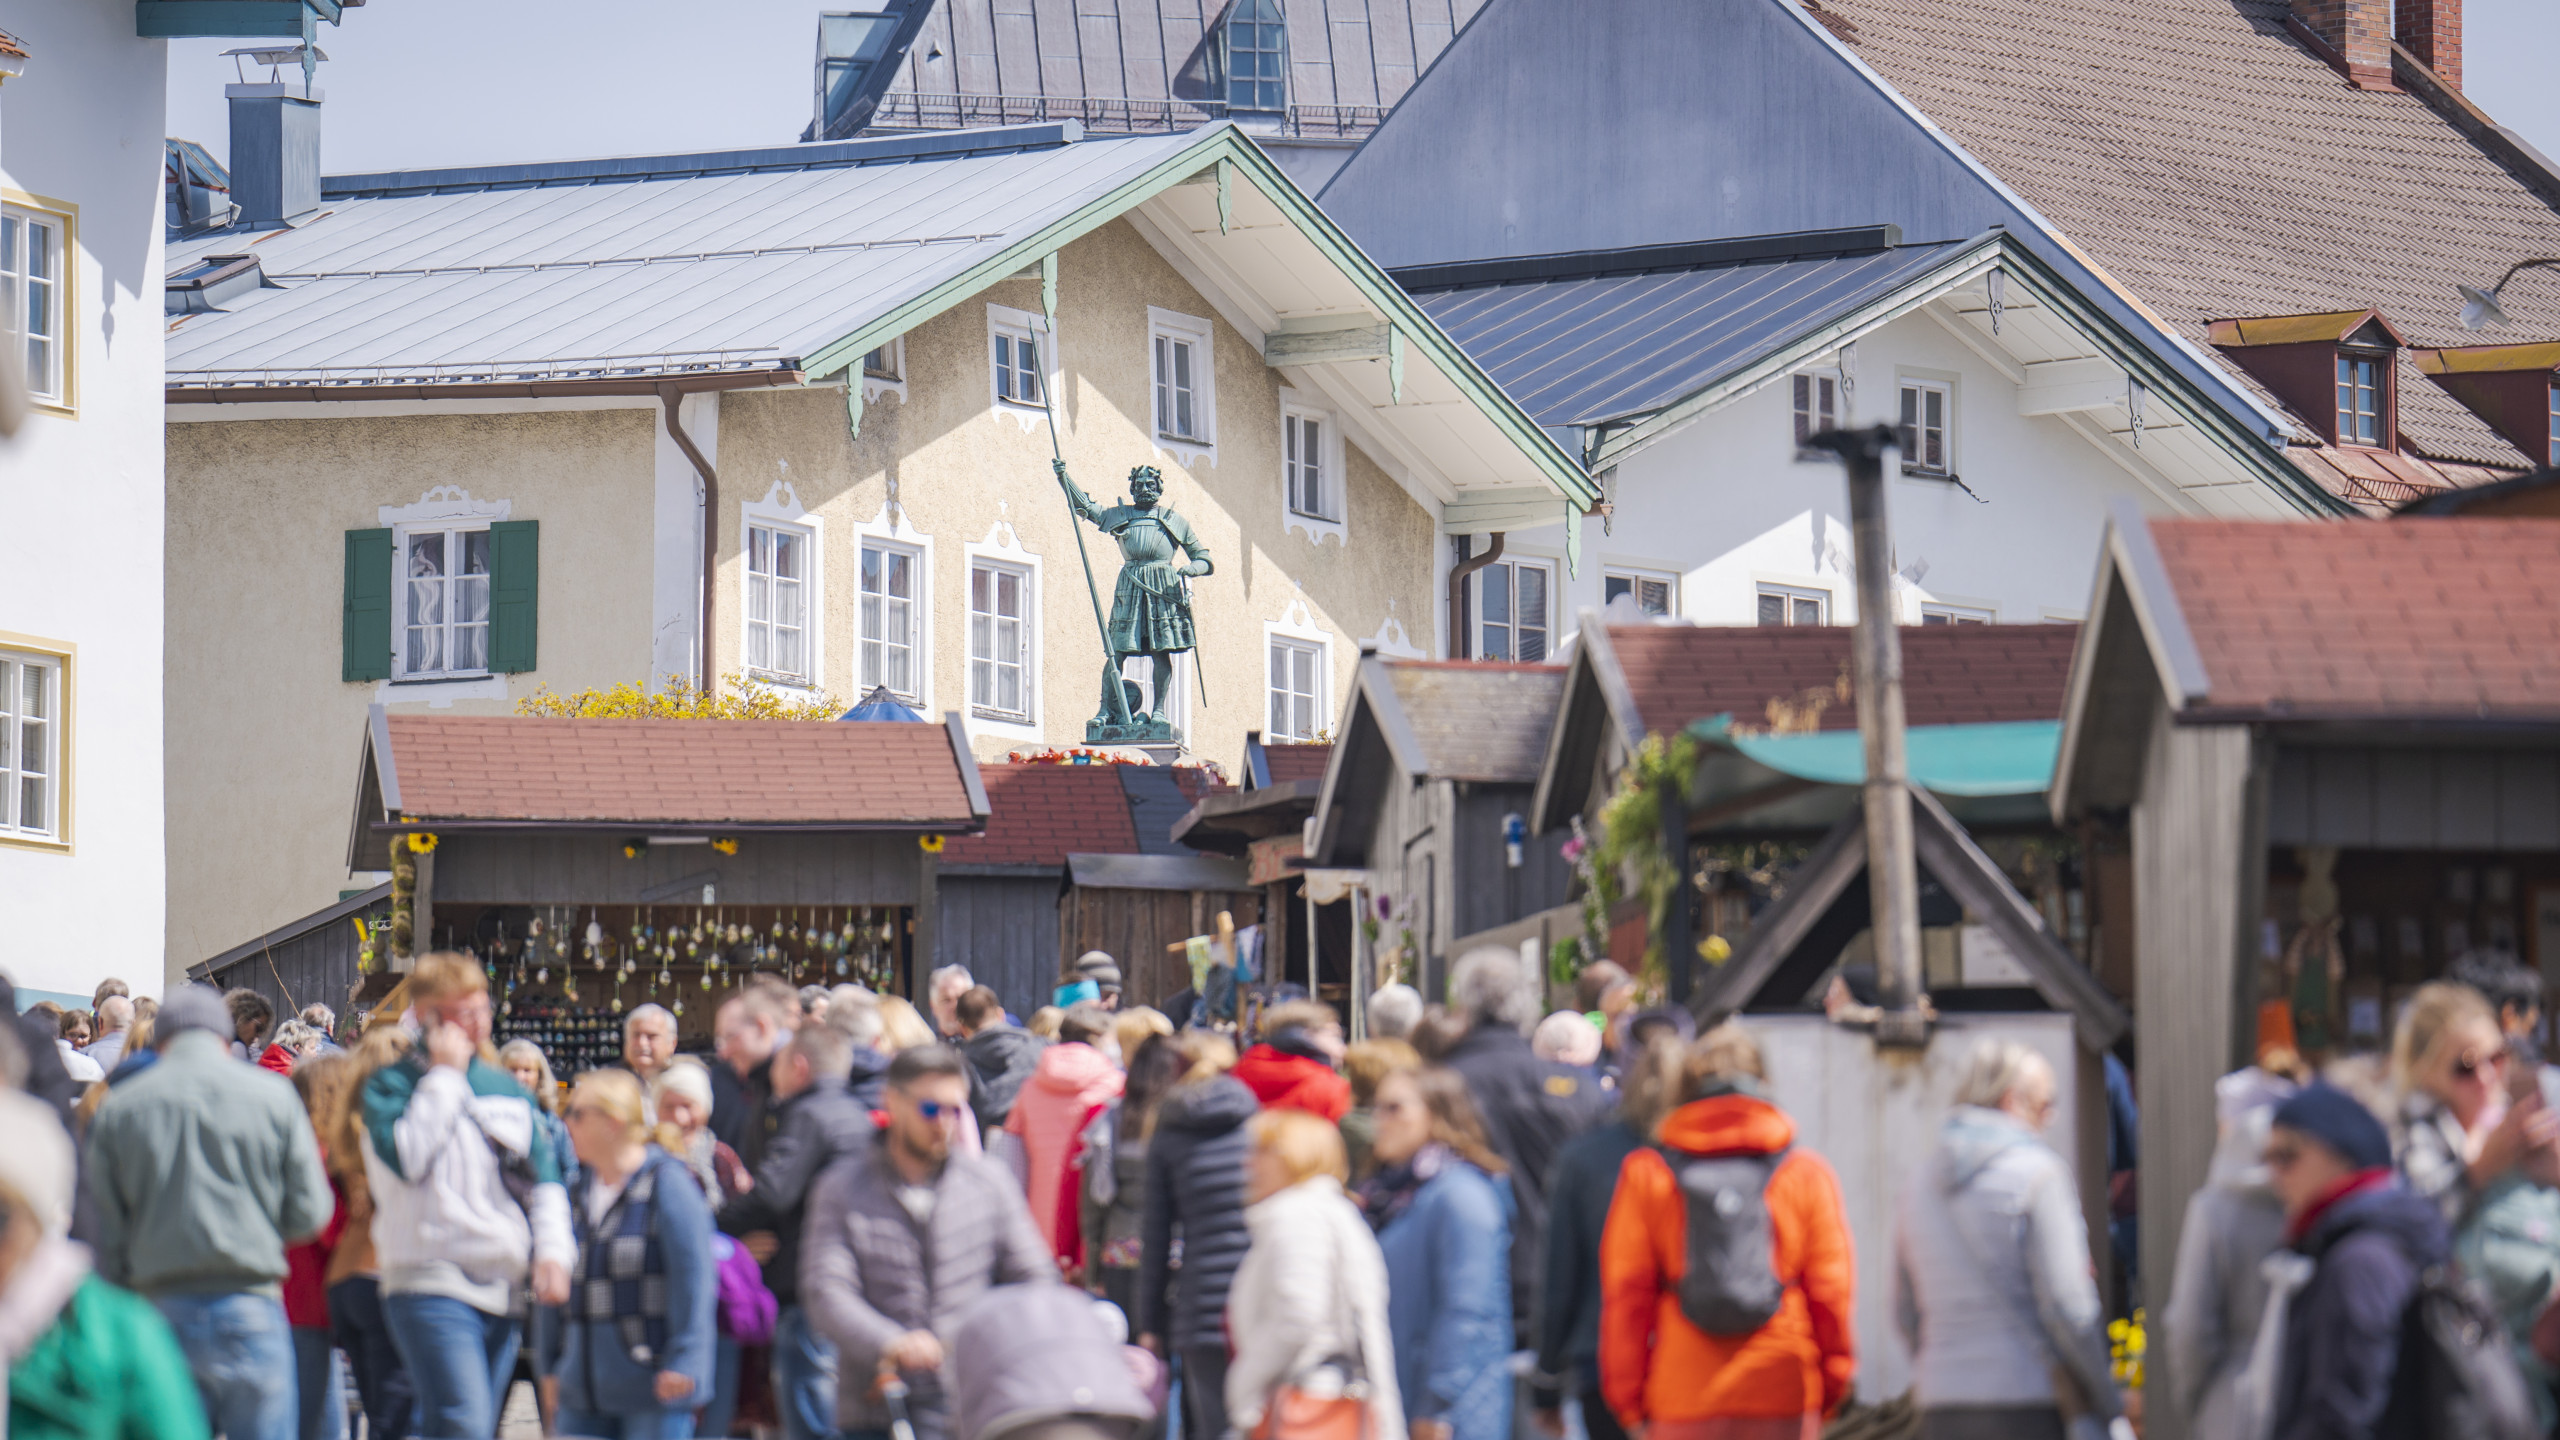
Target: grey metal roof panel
[
  {"x": 1157, "y": 872},
  {"x": 1573, "y": 351},
  {"x": 1479, "y": 720},
  {"x": 670, "y": 266}
]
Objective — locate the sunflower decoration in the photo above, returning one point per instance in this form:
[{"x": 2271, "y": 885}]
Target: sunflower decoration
[
  {"x": 726, "y": 845},
  {"x": 422, "y": 843},
  {"x": 929, "y": 844}
]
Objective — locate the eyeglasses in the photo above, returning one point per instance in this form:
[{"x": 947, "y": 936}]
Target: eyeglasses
[
  {"x": 936, "y": 1111},
  {"x": 578, "y": 1112},
  {"x": 2470, "y": 1066}
]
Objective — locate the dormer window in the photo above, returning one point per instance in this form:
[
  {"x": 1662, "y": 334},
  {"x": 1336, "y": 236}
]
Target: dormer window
[
  {"x": 2514, "y": 388},
  {"x": 2360, "y": 398},
  {"x": 1256, "y": 58},
  {"x": 2335, "y": 370}
]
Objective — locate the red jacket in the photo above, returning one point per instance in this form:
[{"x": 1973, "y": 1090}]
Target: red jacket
[
  {"x": 278, "y": 1059},
  {"x": 306, "y": 1267},
  {"x": 1654, "y": 1364},
  {"x": 1294, "y": 1082}
]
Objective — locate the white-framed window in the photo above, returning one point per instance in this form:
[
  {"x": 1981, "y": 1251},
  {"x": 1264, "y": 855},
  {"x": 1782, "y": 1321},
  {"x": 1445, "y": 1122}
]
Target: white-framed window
[
  {"x": 1314, "y": 490},
  {"x": 890, "y": 585},
  {"x": 31, "y": 745},
  {"x": 1928, "y": 412},
  {"x": 1181, "y": 375},
  {"x": 886, "y": 361},
  {"x": 1296, "y": 691},
  {"x": 444, "y": 600},
  {"x": 1652, "y": 594},
  {"x": 1000, "y": 605},
  {"x": 1140, "y": 670},
  {"x": 1257, "y": 57},
  {"x": 1937, "y": 614},
  {"x": 1793, "y": 605},
  {"x": 2360, "y": 386},
  {"x": 1816, "y": 395},
  {"x": 780, "y": 565},
  {"x": 1515, "y": 610},
  {"x": 34, "y": 297},
  {"x": 1018, "y": 350}
]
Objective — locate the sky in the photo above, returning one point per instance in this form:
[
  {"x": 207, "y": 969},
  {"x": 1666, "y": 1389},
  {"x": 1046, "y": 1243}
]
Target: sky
[{"x": 417, "y": 83}]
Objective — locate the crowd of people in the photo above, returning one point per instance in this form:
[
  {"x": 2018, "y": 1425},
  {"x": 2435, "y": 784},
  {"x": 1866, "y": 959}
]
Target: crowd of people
[{"x": 1099, "y": 1224}]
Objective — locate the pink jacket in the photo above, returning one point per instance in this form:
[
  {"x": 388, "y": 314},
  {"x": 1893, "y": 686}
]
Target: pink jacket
[{"x": 1069, "y": 1081}]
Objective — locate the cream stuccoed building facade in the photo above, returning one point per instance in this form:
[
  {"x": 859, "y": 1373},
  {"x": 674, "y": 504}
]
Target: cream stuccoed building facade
[{"x": 457, "y": 440}]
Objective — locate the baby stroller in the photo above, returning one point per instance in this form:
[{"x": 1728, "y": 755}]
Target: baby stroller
[{"x": 1036, "y": 1362}]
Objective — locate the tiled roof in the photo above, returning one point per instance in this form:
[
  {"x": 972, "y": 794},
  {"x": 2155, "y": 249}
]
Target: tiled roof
[
  {"x": 2213, "y": 166},
  {"x": 981, "y": 62},
  {"x": 12, "y": 46},
  {"x": 677, "y": 772},
  {"x": 1296, "y": 762},
  {"x": 1951, "y": 674},
  {"x": 2415, "y": 618},
  {"x": 1479, "y": 719},
  {"x": 1040, "y": 814}
]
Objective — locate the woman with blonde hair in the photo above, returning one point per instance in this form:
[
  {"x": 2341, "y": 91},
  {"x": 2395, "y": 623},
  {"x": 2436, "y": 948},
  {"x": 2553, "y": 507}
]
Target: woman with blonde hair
[
  {"x": 904, "y": 1026},
  {"x": 2455, "y": 1132},
  {"x": 1311, "y": 1295},
  {"x": 637, "y": 1345},
  {"x": 1130, "y": 1029}
]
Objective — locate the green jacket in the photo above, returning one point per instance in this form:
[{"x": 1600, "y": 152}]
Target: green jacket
[
  {"x": 108, "y": 1369},
  {"x": 203, "y": 1169}
]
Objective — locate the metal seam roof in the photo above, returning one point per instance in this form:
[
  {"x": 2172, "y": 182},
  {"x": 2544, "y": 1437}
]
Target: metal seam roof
[
  {"x": 1574, "y": 351},
  {"x": 410, "y": 281}
]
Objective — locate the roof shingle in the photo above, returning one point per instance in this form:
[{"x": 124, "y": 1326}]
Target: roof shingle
[
  {"x": 1480, "y": 720},
  {"x": 677, "y": 772},
  {"x": 2415, "y": 618},
  {"x": 1951, "y": 674},
  {"x": 2216, "y": 168},
  {"x": 1040, "y": 814},
  {"x": 1296, "y": 762}
]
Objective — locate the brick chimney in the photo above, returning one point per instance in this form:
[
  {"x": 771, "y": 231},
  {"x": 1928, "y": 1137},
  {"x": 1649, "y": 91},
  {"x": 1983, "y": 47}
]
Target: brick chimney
[
  {"x": 2432, "y": 31},
  {"x": 2352, "y": 35}
]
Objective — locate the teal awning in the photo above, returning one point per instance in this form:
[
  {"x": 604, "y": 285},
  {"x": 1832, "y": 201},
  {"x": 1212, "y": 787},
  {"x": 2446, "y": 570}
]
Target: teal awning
[
  {"x": 1750, "y": 782},
  {"x": 2012, "y": 758}
]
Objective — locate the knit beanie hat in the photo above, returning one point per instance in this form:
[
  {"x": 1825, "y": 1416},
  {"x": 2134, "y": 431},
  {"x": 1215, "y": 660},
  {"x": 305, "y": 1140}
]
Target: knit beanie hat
[
  {"x": 35, "y": 1159},
  {"x": 2338, "y": 1120}
]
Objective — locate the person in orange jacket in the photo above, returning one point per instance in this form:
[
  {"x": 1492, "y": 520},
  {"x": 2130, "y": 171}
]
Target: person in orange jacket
[{"x": 1659, "y": 1371}]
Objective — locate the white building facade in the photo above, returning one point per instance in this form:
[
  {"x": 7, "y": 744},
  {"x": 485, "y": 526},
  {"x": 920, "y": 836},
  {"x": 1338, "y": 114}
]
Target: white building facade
[{"x": 81, "y": 823}]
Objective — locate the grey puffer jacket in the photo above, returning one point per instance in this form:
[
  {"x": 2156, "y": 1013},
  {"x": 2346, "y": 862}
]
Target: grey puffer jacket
[
  {"x": 870, "y": 1271},
  {"x": 1195, "y": 1184},
  {"x": 1000, "y": 1059},
  {"x": 1991, "y": 1273}
]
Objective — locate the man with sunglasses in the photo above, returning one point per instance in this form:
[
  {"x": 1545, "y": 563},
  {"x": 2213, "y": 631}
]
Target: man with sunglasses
[
  {"x": 2366, "y": 1239},
  {"x": 904, "y": 1235}
]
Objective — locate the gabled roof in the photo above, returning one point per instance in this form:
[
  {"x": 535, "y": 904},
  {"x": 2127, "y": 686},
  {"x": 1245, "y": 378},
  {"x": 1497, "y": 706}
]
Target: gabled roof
[
  {"x": 1477, "y": 721},
  {"x": 2215, "y": 166},
  {"x": 771, "y": 266},
  {"x": 1629, "y": 682},
  {"x": 1267, "y": 763},
  {"x": 978, "y": 62},
  {"x": 2449, "y": 621},
  {"x": 2488, "y": 359},
  {"x": 463, "y": 772},
  {"x": 2326, "y": 329}
]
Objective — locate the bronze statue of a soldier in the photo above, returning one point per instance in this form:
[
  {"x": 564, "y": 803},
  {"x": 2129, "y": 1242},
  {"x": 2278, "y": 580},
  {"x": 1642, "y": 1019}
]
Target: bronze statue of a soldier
[{"x": 1151, "y": 603}]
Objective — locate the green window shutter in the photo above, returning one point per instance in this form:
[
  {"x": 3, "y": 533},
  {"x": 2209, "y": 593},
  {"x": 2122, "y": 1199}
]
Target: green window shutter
[
  {"x": 515, "y": 577},
  {"x": 364, "y": 617}
]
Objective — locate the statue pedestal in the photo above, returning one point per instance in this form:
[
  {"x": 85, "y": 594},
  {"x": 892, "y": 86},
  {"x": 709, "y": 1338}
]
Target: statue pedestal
[{"x": 1161, "y": 754}]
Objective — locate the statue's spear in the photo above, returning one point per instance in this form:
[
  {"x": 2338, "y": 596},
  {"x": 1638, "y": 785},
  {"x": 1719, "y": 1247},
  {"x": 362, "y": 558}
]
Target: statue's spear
[{"x": 1115, "y": 704}]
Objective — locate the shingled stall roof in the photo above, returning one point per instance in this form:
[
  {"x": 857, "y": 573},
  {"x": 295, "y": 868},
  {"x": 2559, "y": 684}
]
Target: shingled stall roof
[
  {"x": 498, "y": 772},
  {"x": 1628, "y": 682},
  {"x": 1038, "y": 814},
  {"x": 2212, "y": 163},
  {"x": 2423, "y": 624},
  {"x": 1475, "y": 721}
]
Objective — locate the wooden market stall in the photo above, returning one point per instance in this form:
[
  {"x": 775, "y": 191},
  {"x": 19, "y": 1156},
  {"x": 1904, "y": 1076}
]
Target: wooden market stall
[
  {"x": 1137, "y": 908},
  {"x": 594, "y": 865},
  {"x": 2334, "y": 754}
]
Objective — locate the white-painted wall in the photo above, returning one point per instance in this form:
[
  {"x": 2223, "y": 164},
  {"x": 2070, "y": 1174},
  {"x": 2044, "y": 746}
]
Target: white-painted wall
[
  {"x": 81, "y": 501},
  {"x": 1722, "y": 503}
]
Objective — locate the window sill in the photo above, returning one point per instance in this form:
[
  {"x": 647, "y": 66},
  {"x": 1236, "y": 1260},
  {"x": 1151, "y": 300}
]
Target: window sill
[
  {"x": 34, "y": 842},
  {"x": 440, "y": 691},
  {"x": 1915, "y": 472}
]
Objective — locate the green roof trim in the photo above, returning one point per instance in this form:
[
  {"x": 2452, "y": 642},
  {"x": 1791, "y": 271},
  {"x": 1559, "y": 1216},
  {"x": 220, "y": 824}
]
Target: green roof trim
[{"x": 1224, "y": 148}]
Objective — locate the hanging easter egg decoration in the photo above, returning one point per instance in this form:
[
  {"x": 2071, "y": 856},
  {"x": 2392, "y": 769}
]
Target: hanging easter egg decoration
[
  {"x": 679, "y": 1005},
  {"x": 542, "y": 976}
]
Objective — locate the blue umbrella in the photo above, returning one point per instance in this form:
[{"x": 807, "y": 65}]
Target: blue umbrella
[{"x": 880, "y": 705}]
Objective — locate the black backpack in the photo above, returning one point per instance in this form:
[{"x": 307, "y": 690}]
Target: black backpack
[
  {"x": 2456, "y": 1353},
  {"x": 1732, "y": 1285}
]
